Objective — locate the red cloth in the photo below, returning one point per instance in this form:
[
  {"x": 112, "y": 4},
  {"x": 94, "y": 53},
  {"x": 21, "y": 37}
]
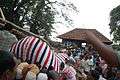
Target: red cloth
[{"x": 69, "y": 72}]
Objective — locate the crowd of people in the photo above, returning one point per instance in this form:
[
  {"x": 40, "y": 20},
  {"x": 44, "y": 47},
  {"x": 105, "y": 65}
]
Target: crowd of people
[
  {"x": 88, "y": 66},
  {"x": 12, "y": 69}
]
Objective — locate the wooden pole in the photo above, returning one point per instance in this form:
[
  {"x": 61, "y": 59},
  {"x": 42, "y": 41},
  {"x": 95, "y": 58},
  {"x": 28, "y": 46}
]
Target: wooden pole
[
  {"x": 2, "y": 14},
  {"x": 3, "y": 17},
  {"x": 22, "y": 30}
]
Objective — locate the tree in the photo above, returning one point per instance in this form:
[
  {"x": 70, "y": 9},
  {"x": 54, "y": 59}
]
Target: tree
[
  {"x": 115, "y": 25},
  {"x": 35, "y": 13},
  {"x": 63, "y": 9},
  {"x": 40, "y": 15}
]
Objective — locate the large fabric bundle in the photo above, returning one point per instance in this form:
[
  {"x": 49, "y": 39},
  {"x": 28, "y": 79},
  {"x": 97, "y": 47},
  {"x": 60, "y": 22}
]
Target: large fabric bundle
[{"x": 34, "y": 50}]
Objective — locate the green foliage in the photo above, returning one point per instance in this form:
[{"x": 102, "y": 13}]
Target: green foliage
[
  {"x": 116, "y": 47},
  {"x": 40, "y": 15},
  {"x": 115, "y": 23},
  {"x": 115, "y": 26}
]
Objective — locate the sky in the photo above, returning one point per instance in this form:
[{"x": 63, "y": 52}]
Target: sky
[{"x": 93, "y": 14}]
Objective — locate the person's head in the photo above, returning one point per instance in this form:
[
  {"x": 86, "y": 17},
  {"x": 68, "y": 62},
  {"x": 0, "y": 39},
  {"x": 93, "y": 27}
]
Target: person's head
[
  {"x": 42, "y": 76},
  {"x": 62, "y": 65},
  {"x": 39, "y": 65},
  {"x": 52, "y": 75},
  {"x": 69, "y": 53},
  {"x": 7, "y": 62},
  {"x": 66, "y": 59},
  {"x": 90, "y": 57},
  {"x": 44, "y": 67},
  {"x": 51, "y": 68},
  {"x": 81, "y": 57}
]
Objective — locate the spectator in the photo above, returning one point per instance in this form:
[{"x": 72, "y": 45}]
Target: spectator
[
  {"x": 52, "y": 75},
  {"x": 62, "y": 76},
  {"x": 86, "y": 65},
  {"x": 90, "y": 63},
  {"x": 71, "y": 59},
  {"x": 69, "y": 72},
  {"x": 7, "y": 65},
  {"x": 43, "y": 70}
]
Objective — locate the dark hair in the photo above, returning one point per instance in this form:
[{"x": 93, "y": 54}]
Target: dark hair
[
  {"x": 38, "y": 65},
  {"x": 6, "y": 61},
  {"x": 69, "y": 53},
  {"x": 95, "y": 74},
  {"x": 52, "y": 75},
  {"x": 51, "y": 68},
  {"x": 62, "y": 65}
]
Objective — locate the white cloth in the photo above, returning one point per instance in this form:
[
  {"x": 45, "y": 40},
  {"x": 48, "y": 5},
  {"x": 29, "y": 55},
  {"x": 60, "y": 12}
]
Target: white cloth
[
  {"x": 71, "y": 58},
  {"x": 19, "y": 74},
  {"x": 30, "y": 76},
  {"x": 42, "y": 76},
  {"x": 101, "y": 78},
  {"x": 86, "y": 65},
  {"x": 90, "y": 62}
]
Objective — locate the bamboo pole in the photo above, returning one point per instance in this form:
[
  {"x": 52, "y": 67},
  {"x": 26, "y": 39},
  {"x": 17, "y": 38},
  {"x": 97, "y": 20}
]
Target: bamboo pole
[
  {"x": 22, "y": 30},
  {"x": 2, "y": 14},
  {"x": 3, "y": 17}
]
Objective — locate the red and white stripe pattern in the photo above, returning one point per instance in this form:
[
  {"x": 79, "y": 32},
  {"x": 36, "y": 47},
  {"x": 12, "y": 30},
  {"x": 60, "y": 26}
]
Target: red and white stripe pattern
[
  {"x": 62, "y": 57},
  {"x": 34, "y": 50}
]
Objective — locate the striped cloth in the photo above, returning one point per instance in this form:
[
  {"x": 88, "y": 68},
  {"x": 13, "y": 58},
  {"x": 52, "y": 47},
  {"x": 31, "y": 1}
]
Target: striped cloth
[
  {"x": 62, "y": 57},
  {"x": 34, "y": 50}
]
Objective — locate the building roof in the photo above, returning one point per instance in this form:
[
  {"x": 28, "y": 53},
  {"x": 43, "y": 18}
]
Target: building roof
[{"x": 79, "y": 34}]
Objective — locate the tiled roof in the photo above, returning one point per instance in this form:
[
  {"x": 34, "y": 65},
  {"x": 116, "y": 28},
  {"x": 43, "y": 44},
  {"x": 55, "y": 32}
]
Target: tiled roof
[{"x": 79, "y": 34}]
